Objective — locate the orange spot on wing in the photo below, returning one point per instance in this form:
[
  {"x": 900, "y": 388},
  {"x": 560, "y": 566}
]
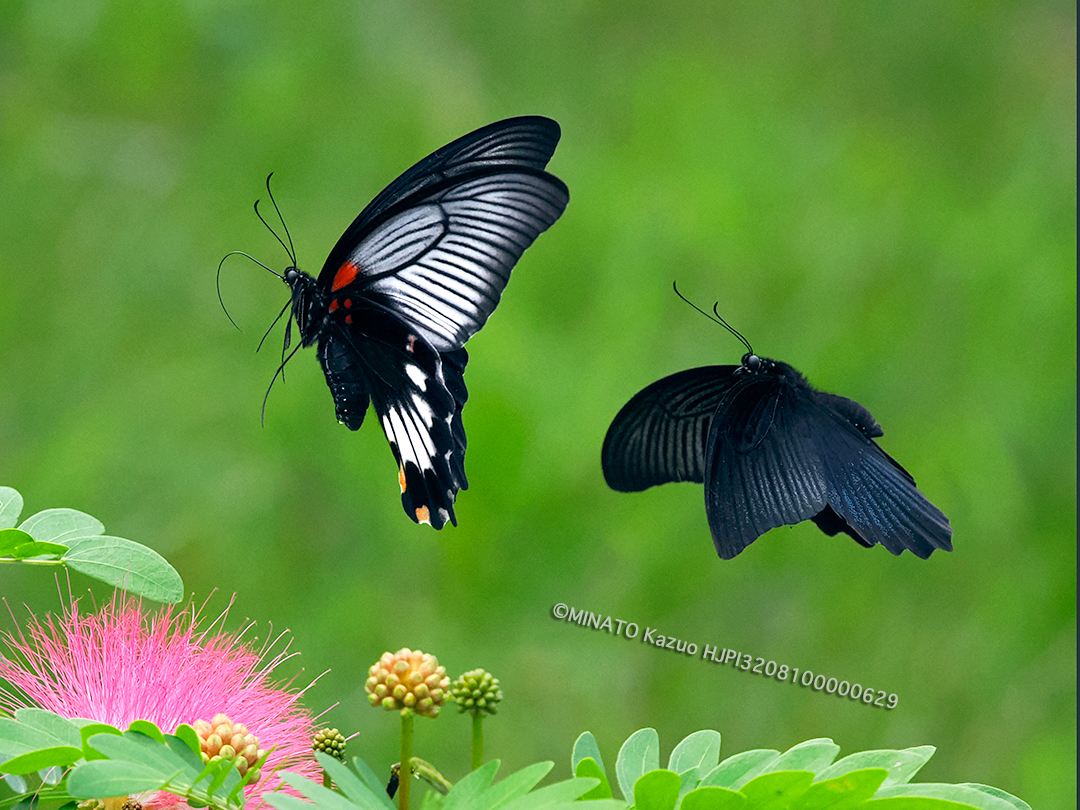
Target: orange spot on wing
[
  {"x": 401, "y": 478},
  {"x": 423, "y": 515},
  {"x": 345, "y": 275}
]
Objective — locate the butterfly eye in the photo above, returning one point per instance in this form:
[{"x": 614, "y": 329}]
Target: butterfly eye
[{"x": 751, "y": 362}]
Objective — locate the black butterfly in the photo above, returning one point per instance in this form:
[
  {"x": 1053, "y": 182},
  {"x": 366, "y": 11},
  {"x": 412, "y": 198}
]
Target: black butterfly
[
  {"x": 771, "y": 450},
  {"x": 417, "y": 273}
]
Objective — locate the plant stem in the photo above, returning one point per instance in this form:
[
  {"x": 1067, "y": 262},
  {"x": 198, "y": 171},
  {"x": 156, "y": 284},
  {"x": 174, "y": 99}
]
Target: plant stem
[
  {"x": 405, "y": 774},
  {"x": 477, "y": 740}
]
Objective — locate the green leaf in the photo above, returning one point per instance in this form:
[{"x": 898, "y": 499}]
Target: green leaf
[
  {"x": 812, "y": 755},
  {"x": 901, "y": 765},
  {"x": 61, "y": 525},
  {"x": 515, "y": 785},
  {"x": 912, "y": 803},
  {"x": 148, "y": 729},
  {"x": 49, "y": 726},
  {"x": 1019, "y": 804},
  {"x": 16, "y": 783},
  {"x": 961, "y": 794},
  {"x": 842, "y": 792},
  {"x": 88, "y": 731},
  {"x": 104, "y": 777},
  {"x": 41, "y": 759},
  {"x": 369, "y": 778},
  {"x": 700, "y": 750},
  {"x": 353, "y": 785},
  {"x": 11, "y": 539},
  {"x": 464, "y": 794},
  {"x": 11, "y": 504},
  {"x": 638, "y": 755},
  {"x": 188, "y": 736},
  {"x": 324, "y": 798},
  {"x": 128, "y": 565},
  {"x": 738, "y": 769},
  {"x": 589, "y": 767},
  {"x": 776, "y": 790},
  {"x": 657, "y": 789},
  {"x": 135, "y": 747},
  {"x": 567, "y": 792},
  {"x": 223, "y": 776},
  {"x": 585, "y": 746},
  {"x": 35, "y": 548},
  {"x": 37, "y": 739},
  {"x": 713, "y": 798}
]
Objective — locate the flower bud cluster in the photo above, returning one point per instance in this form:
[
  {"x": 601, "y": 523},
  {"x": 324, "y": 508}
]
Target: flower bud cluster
[
  {"x": 476, "y": 691},
  {"x": 330, "y": 741},
  {"x": 408, "y": 680},
  {"x": 223, "y": 739}
]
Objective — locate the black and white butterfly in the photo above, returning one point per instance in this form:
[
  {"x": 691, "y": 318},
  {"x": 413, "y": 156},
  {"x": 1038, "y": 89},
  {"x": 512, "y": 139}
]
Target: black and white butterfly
[
  {"x": 415, "y": 275},
  {"x": 771, "y": 451}
]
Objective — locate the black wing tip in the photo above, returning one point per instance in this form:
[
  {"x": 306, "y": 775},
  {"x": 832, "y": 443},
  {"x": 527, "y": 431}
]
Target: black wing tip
[{"x": 549, "y": 126}]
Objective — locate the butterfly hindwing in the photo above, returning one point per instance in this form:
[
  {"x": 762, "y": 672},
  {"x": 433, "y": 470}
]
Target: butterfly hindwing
[
  {"x": 763, "y": 467},
  {"x": 421, "y": 417},
  {"x": 660, "y": 435},
  {"x": 874, "y": 496}
]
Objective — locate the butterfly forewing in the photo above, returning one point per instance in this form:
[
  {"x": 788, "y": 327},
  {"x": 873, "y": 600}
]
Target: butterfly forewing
[
  {"x": 527, "y": 142},
  {"x": 443, "y": 265},
  {"x": 660, "y": 435}
]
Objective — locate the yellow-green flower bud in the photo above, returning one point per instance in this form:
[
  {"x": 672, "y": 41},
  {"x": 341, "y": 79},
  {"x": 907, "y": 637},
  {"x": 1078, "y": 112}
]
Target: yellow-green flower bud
[
  {"x": 476, "y": 691},
  {"x": 408, "y": 680},
  {"x": 330, "y": 741}
]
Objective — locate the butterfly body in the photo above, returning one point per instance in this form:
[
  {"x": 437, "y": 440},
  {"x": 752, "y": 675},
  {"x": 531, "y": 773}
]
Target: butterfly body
[
  {"x": 771, "y": 450},
  {"x": 415, "y": 275}
]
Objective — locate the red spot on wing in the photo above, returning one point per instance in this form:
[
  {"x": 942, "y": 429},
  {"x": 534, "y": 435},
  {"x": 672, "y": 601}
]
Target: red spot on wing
[
  {"x": 345, "y": 275},
  {"x": 348, "y": 319},
  {"x": 333, "y": 305},
  {"x": 348, "y": 303}
]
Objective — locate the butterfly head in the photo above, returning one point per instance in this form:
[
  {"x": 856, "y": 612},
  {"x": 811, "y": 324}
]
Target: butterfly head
[{"x": 308, "y": 306}]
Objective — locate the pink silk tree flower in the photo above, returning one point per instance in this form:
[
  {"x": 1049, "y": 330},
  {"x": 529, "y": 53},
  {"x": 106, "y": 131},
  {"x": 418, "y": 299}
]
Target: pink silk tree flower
[{"x": 124, "y": 663}]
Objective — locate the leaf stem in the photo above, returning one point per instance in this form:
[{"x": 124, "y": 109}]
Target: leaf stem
[
  {"x": 405, "y": 776},
  {"x": 477, "y": 740}
]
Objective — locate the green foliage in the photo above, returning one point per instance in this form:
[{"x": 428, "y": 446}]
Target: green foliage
[
  {"x": 474, "y": 792},
  {"x": 805, "y": 777},
  {"x": 99, "y": 760},
  {"x": 75, "y": 539}
]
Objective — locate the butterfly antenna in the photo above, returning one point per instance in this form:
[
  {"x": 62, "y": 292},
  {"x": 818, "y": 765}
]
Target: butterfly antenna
[
  {"x": 289, "y": 247},
  {"x": 284, "y": 309},
  {"x": 222, "y": 262},
  {"x": 280, "y": 372},
  {"x": 716, "y": 317}
]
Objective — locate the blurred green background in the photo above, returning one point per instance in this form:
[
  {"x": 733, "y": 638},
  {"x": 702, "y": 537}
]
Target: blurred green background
[{"x": 881, "y": 194}]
